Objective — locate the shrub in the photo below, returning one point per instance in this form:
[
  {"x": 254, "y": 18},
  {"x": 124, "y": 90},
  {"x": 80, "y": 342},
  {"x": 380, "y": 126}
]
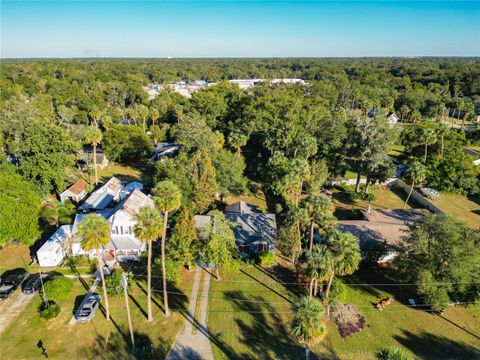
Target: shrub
[
  {"x": 349, "y": 320},
  {"x": 266, "y": 258},
  {"x": 49, "y": 312},
  {"x": 393, "y": 354},
  {"x": 338, "y": 292},
  {"x": 114, "y": 283},
  {"x": 172, "y": 268},
  {"x": 354, "y": 196},
  {"x": 58, "y": 288}
]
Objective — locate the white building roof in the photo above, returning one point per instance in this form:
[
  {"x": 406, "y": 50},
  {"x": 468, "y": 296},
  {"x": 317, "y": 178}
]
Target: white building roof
[{"x": 62, "y": 233}]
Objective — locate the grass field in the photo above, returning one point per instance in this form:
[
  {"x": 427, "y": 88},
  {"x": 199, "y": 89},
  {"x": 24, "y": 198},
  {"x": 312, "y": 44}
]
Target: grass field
[
  {"x": 249, "y": 317},
  {"x": 396, "y": 150},
  {"x": 386, "y": 198},
  {"x": 98, "y": 339},
  {"x": 256, "y": 197},
  {"x": 467, "y": 209}
]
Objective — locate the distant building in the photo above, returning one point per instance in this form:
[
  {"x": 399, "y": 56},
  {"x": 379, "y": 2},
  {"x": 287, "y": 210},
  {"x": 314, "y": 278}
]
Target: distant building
[
  {"x": 164, "y": 150},
  {"x": 75, "y": 193},
  {"x": 392, "y": 118},
  {"x": 87, "y": 160},
  {"x": 372, "y": 112}
]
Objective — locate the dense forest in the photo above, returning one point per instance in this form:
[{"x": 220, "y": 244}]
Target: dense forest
[{"x": 290, "y": 137}]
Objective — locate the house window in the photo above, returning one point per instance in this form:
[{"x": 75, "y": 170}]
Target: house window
[
  {"x": 128, "y": 230},
  {"x": 245, "y": 249},
  {"x": 262, "y": 247},
  {"x": 121, "y": 230}
]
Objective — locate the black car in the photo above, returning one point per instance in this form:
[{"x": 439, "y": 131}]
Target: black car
[
  {"x": 33, "y": 283},
  {"x": 89, "y": 308},
  {"x": 11, "y": 282}
]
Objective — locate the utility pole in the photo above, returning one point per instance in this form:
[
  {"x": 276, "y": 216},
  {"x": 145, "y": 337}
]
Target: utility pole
[
  {"x": 43, "y": 289},
  {"x": 125, "y": 284}
]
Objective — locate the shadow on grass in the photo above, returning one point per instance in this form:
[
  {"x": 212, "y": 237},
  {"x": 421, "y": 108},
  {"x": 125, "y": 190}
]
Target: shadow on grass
[
  {"x": 266, "y": 286},
  {"x": 119, "y": 347},
  {"x": 262, "y": 329},
  {"x": 429, "y": 346}
]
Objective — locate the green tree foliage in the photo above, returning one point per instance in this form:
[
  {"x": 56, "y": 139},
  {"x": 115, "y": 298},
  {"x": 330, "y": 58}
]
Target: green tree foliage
[
  {"x": 220, "y": 248},
  {"x": 44, "y": 152},
  {"x": 19, "y": 208},
  {"x": 320, "y": 212},
  {"x": 184, "y": 244},
  {"x": 442, "y": 254},
  {"x": 126, "y": 143},
  {"x": 58, "y": 288},
  {"x": 416, "y": 173},
  {"x": 308, "y": 326},
  {"x": 53, "y": 212},
  {"x": 229, "y": 170},
  {"x": 192, "y": 133}
]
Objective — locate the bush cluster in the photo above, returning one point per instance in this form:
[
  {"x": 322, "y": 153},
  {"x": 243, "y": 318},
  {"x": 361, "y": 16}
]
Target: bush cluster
[
  {"x": 349, "y": 320},
  {"x": 393, "y": 354},
  {"x": 354, "y": 196},
  {"x": 49, "y": 312}
]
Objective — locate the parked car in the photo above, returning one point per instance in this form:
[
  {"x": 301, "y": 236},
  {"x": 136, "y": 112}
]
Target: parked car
[
  {"x": 89, "y": 308},
  {"x": 33, "y": 284},
  {"x": 11, "y": 282}
]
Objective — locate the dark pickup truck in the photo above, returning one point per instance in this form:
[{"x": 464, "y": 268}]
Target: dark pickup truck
[{"x": 9, "y": 283}]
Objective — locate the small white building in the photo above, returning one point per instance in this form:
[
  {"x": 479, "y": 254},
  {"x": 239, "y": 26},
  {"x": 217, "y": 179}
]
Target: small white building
[
  {"x": 53, "y": 251},
  {"x": 75, "y": 193},
  {"x": 392, "y": 118}
]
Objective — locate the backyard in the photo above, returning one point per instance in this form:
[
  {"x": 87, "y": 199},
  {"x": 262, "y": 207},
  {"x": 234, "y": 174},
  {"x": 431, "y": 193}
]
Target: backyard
[
  {"x": 463, "y": 207},
  {"x": 250, "y": 314}
]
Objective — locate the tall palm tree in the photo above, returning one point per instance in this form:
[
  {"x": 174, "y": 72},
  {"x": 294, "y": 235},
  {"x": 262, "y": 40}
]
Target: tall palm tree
[
  {"x": 167, "y": 197},
  {"x": 442, "y": 130},
  {"x": 93, "y": 135},
  {"x": 346, "y": 256},
  {"x": 94, "y": 231},
  {"x": 308, "y": 326},
  {"x": 320, "y": 266},
  {"x": 417, "y": 173},
  {"x": 154, "y": 115},
  {"x": 148, "y": 228},
  {"x": 429, "y": 137},
  {"x": 320, "y": 211}
]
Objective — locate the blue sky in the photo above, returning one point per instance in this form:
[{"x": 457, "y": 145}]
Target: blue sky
[{"x": 239, "y": 29}]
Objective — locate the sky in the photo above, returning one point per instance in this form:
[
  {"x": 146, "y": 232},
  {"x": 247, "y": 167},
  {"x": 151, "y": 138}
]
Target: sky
[{"x": 239, "y": 28}]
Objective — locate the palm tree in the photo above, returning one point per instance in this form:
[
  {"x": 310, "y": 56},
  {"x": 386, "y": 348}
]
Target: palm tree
[
  {"x": 320, "y": 265},
  {"x": 154, "y": 115},
  {"x": 56, "y": 213},
  {"x": 346, "y": 256},
  {"x": 442, "y": 130},
  {"x": 148, "y": 228},
  {"x": 93, "y": 135},
  {"x": 308, "y": 326},
  {"x": 320, "y": 212},
  {"x": 417, "y": 173},
  {"x": 428, "y": 137},
  {"x": 94, "y": 231},
  {"x": 167, "y": 197}
]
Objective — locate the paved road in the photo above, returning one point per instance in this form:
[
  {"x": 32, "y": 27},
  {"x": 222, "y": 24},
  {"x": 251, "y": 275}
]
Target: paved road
[
  {"x": 193, "y": 343},
  {"x": 10, "y": 308}
]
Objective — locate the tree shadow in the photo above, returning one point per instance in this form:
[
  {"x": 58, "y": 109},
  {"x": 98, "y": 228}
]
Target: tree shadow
[
  {"x": 183, "y": 353},
  {"x": 119, "y": 347},
  {"x": 266, "y": 286},
  {"x": 263, "y": 329},
  {"x": 429, "y": 346}
]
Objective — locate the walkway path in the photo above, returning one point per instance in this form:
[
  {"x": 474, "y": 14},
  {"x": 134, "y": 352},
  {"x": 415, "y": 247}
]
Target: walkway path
[{"x": 193, "y": 343}]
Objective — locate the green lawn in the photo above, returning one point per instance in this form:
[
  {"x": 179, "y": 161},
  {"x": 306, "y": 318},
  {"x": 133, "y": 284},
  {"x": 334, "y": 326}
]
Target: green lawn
[
  {"x": 467, "y": 209},
  {"x": 396, "y": 150},
  {"x": 474, "y": 147},
  {"x": 256, "y": 197},
  {"x": 99, "y": 338},
  {"x": 250, "y": 317},
  {"x": 386, "y": 198},
  {"x": 14, "y": 256}
]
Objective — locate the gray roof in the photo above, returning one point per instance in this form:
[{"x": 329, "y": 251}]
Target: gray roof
[
  {"x": 253, "y": 228},
  {"x": 241, "y": 207}
]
